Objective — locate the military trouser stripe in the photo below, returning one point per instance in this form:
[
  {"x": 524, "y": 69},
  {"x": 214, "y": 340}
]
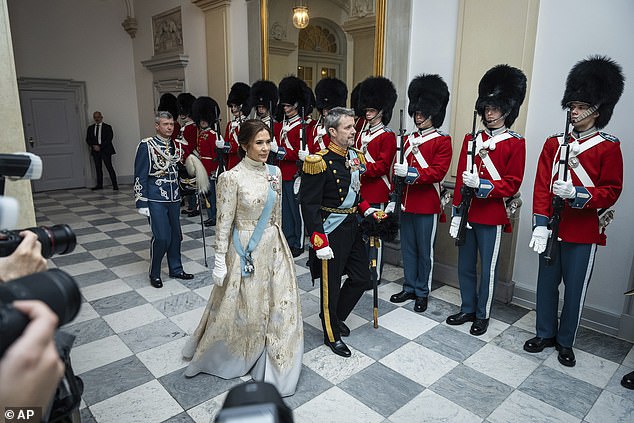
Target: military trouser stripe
[
  {"x": 324, "y": 301},
  {"x": 432, "y": 238},
  {"x": 584, "y": 290},
  {"x": 494, "y": 260}
]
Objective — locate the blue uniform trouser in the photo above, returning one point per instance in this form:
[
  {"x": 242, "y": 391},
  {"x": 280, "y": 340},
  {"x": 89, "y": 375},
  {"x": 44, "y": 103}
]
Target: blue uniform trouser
[
  {"x": 292, "y": 224},
  {"x": 573, "y": 263},
  {"x": 211, "y": 198},
  {"x": 379, "y": 253},
  {"x": 418, "y": 232},
  {"x": 166, "y": 237},
  {"x": 483, "y": 239}
]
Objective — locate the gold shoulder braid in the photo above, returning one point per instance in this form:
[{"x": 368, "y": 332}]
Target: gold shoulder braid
[
  {"x": 314, "y": 164},
  {"x": 360, "y": 155}
]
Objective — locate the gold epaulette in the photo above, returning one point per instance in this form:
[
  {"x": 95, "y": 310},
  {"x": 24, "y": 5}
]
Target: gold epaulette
[
  {"x": 360, "y": 155},
  {"x": 314, "y": 164}
]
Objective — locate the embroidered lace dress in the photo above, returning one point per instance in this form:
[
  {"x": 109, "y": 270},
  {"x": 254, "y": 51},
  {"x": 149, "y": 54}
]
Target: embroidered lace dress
[{"x": 251, "y": 324}]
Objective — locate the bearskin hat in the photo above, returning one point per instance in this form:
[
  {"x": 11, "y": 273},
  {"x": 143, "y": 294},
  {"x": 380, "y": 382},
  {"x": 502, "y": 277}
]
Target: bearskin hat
[
  {"x": 263, "y": 93},
  {"x": 331, "y": 93},
  {"x": 378, "y": 93},
  {"x": 239, "y": 95},
  {"x": 429, "y": 95},
  {"x": 502, "y": 86},
  {"x": 293, "y": 90},
  {"x": 184, "y": 103},
  {"x": 167, "y": 103},
  {"x": 354, "y": 101},
  {"x": 597, "y": 81},
  {"x": 205, "y": 108}
]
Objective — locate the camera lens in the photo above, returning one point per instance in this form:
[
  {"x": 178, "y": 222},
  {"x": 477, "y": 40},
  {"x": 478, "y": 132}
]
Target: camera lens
[
  {"x": 57, "y": 239},
  {"x": 54, "y": 287}
]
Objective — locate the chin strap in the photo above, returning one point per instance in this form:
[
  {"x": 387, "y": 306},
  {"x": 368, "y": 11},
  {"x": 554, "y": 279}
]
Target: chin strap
[{"x": 585, "y": 114}]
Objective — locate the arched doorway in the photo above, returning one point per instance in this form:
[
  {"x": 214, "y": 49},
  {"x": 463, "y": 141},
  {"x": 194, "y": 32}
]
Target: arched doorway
[{"x": 321, "y": 52}]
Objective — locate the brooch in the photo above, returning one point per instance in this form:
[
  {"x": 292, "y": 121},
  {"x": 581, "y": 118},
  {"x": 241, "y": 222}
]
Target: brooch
[{"x": 274, "y": 181}]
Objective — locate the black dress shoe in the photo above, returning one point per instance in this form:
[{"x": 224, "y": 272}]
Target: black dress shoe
[
  {"x": 96, "y": 188},
  {"x": 537, "y": 344},
  {"x": 296, "y": 252},
  {"x": 628, "y": 381},
  {"x": 420, "y": 305},
  {"x": 566, "y": 356},
  {"x": 344, "y": 330},
  {"x": 156, "y": 281},
  {"x": 186, "y": 211},
  {"x": 339, "y": 348},
  {"x": 479, "y": 327},
  {"x": 460, "y": 318},
  {"x": 402, "y": 297},
  {"x": 210, "y": 222},
  {"x": 181, "y": 275},
  {"x": 193, "y": 213}
]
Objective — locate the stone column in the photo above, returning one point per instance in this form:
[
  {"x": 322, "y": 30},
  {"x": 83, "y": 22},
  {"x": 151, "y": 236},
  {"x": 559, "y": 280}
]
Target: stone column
[
  {"x": 362, "y": 30},
  {"x": 12, "y": 135},
  {"x": 216, "y": 32}
]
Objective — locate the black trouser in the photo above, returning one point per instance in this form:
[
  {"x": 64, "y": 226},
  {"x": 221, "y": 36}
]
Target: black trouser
[
  {"x": 350, "y": 258},
  {"x": 100, "y": 157}
]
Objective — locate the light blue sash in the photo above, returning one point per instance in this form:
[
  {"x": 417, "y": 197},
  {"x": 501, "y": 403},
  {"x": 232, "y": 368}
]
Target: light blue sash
[
  {"x": 246, "y": 262},
  {"x": 335, "y": 219}
]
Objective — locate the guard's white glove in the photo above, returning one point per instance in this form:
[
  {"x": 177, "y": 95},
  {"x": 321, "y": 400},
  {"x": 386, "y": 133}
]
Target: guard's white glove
[
  {"x": 145, "y": 211},
  {"x": 453, "y": 228},
  {"x": 220, "y": 143},
  {"x": 302, "y": 154},
  {"x": 472, "y": 180},
  {"x": 274, "y": 146},
  {"x": 564, "y": 189},
  {"x": 325, "y": 253},
  {"x": 539, "y": 239},
  {"x": 220, "y": 269},
  {"x": 400, "y": 169},
  {"x": 390, "y": 207},
  {"x": 369, "y": 211}
]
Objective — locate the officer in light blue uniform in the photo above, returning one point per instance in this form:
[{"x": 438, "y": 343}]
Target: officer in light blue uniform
[{"x": 157, "y": 196}]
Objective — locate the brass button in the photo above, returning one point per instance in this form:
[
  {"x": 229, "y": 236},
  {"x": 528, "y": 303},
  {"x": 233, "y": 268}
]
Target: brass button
[
  {"x": 340, "y": 190},
  {"x": 329, "y": 161},
  {"x": 341, "y": 198},
  {"x": 334, "y": 171},
  {"x": 338, "y": 180}
]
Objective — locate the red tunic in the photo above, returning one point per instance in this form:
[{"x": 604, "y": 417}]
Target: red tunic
[
  {"x": 287, "y": 135},
  {"x": 379, "y": 147},
  {"x": 430, "y": 155},
  {"x": 231, "y": 137},
  {"x": 189, "y": 133},
  {"x": 206, "y": 147},
  {"x": 599, "y": 158},
  {"x": 318, "y": 138},
  {"x": 505, "y": 177}
]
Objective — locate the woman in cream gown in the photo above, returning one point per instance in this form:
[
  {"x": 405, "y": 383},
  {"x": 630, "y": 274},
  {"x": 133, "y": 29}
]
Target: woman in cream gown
[{"x": 252, "y": 324}]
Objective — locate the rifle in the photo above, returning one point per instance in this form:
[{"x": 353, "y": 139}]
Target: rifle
[
  {"x": 220, "y": 151},
  {"x": 399, "y": 181},
  {"x": 467, "y": 192},
  {"x": 272, "y": 156},
  {"x": 558, "y": 202}
]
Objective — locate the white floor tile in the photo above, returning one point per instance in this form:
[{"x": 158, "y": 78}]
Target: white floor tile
[
  {"x": 105, "y": 289},
  {"x": 611, "y": 408},
  {"x": 430, "y": 407},
  {"x": 165, "y": 358},
  {"x": 335, "y": 402},
  {"x": 86, "y": 312},
  {"x": 527, "y": 322},
  {"x": 110, "y": 252},
  {"x": 170, "y": 287},
  {"x": 501, "y": 364},
  {"x": 98, "y": 353},
  {"x": 406, "y": 323},
  {"x": 207, "y": 411},
  {"x": 131, "y": 269},
  {"x": 448, "y": 293},
  {"x": 519, "y": 407},
  {"x": 333, "y": 367},
  {"x": 85, "y": 267},
  {"x": 133, "y": 317},
  {"x": 189, "y": 320},
  {"x": 418, "y": 363},
  {"x": 149, "y": 402},
  {"x": 589, "y": 368}
]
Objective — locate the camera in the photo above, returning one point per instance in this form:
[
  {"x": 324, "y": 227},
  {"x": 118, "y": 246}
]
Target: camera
[
  {"x": 57, "y": 239},
  {"x": 254, "y": 402},
  {"x": 54, "y": 287}
]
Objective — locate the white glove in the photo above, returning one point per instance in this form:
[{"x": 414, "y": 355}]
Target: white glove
[
  {"x": 390, "y": 207},
  {"x": 325, "y": 253},
  {"x": 302, "y": 154},
  {"x": 472, "y": 180},
  {"x": 369, "y": 211},
  {"x": 400, "y": 169},
  {"x": 453, "y": 229},
  {"x": 564, "y": 189},
  {"x": 144, "y": 211},
  {"x": 220, "y": 143},
  {"x": 539, "y": 239},
  {"x": 274, "y": 146},
  {"x": 220, "y": 269}
]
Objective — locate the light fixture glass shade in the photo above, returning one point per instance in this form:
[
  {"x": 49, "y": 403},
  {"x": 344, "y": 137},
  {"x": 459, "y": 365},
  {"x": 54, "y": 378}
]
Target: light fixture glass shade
[{"x": 300, "y": 17}]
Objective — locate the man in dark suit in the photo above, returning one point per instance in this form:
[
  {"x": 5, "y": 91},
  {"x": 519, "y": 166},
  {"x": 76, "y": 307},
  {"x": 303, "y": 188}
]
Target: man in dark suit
[{"x": 99, "y": 138}]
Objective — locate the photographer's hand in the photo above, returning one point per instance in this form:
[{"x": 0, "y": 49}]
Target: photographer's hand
[
  {"x": 31, "y": 369},
  {"x": 25, "y": 260}
]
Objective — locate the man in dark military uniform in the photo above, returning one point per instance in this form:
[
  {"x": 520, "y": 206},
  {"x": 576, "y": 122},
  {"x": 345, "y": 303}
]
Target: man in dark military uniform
[
  {"x": 330, "y": 200},
  {"x": 157, "y": 196}
]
